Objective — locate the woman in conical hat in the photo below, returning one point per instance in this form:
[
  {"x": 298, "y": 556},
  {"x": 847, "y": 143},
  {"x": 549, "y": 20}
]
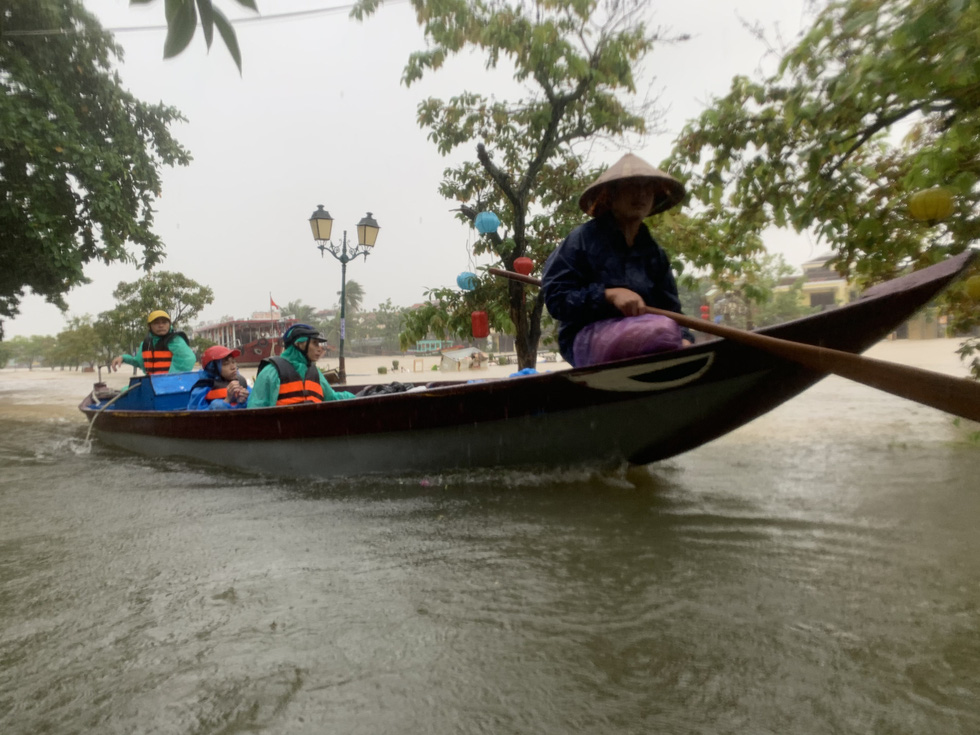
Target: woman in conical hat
[
  {"x": 630, "y": 169},
  {"x": 598, "y": 283}
]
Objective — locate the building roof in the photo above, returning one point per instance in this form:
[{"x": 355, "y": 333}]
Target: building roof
[
  {"x": 463, "y": 353},
  {"x": 820, "y": 259}
]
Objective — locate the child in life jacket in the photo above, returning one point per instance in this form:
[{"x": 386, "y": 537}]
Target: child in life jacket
[
  {"x": 220, "y": 386},
  {"x": 163, "y": 351}
]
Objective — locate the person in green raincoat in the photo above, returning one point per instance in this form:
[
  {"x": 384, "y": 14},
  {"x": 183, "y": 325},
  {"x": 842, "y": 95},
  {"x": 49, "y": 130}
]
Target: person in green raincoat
[
  {"x": 163, "y": 350},
  {"x": 293, "y": 378}
]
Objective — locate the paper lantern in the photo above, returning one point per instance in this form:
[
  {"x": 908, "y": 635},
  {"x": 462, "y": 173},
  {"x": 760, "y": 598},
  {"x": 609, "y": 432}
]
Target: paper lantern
[
  {"x": 481, "y": 325},
  {"x": 466, "y": 281},
  {"x": 524, "y": 266},
  {"x": 973, "y": 287},
  {"x": 931, "y": 205},
  {"x": 486, "y": 222},
  {"x": 705, "y": 311}
]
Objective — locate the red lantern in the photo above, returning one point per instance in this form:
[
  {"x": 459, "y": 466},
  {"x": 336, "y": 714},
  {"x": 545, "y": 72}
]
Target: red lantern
[
  {"x": 705, "y": 311},
  {"x": 481, "y": 325},
  {"x": 524, "y": 266}
]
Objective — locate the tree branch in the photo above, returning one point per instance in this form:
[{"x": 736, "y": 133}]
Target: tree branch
[{"x": 868, "y": 132}]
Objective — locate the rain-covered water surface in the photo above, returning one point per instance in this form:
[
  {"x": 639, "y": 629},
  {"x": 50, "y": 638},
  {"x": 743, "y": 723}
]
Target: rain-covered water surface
[{"x": 817, "y": 571}]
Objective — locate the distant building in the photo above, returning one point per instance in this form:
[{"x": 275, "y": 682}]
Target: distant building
[
  {"x": 826, "y": 288},
  {"x": 823, "y": 286},
  {"x": 257, "y": 338}
]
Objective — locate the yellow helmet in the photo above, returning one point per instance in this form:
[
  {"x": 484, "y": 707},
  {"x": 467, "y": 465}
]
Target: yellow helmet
[{"x": 154, "y": 315}]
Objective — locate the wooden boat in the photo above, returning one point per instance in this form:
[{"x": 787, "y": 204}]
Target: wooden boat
[
  {"x": 257, "y": 339},
  {"x": 638, "y": 410}
]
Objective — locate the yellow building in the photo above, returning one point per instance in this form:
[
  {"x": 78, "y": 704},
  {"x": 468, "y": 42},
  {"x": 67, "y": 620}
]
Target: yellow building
[{"x": 826, "y": 288}]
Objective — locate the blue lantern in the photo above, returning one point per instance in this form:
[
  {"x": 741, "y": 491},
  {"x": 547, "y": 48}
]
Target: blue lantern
[
  {"x": 466, "y": 281},
  {"x": 486, "y": 222}
]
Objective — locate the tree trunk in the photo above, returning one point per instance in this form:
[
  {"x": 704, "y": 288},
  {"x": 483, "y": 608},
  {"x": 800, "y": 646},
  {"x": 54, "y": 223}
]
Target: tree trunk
[{"x": 525, "y": 312}]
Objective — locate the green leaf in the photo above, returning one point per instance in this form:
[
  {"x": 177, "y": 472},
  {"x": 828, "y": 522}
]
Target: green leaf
[
  {"x": 206, "y": 11},
  {"x": 181, "y": 24},
  {"x": 80, "y": 160},
  {"x": 228, "y": 36}
]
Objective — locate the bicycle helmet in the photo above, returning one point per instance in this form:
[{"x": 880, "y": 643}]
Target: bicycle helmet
[{"x": 301, "y": 331}]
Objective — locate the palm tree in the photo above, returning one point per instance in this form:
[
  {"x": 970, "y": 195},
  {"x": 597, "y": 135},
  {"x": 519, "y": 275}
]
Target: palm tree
[
  {"x": 300, "y": 311},
  {"x": 355, "y": 297}
]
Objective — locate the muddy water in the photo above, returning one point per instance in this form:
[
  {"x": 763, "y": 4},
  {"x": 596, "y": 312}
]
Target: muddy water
[{"x": 817, "y": 571}]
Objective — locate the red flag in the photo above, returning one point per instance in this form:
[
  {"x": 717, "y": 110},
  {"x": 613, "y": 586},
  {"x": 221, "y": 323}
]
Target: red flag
[{"x": 273, "y": 304}]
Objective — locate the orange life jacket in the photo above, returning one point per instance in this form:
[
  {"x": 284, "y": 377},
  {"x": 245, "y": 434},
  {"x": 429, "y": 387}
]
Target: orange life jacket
[
  {"x": 292, "y": 388},
  {"x": 157, "y": 357},
  {"x": 216, "y": 393},
  {"x": 220, "y": 388}
]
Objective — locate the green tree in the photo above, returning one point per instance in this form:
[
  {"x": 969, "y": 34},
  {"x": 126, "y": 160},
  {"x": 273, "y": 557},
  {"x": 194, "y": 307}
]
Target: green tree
[
  {"x": 783, "y": 306},
  {"x": 307, "y": 314},
  {"x": 817, "y": 145},
  {"x": 693, "y": 293},
  {"x": 124, "y": 326},
  {"x": 331, "y": 326},
  {"x": 431, "y": 319},
  {"x": 182, "y": 17},
  {"x": 387, "y": 323},
  {"x": 447, "y": 313},
  {"x": 752, "y": 300},
  {"x": 181, "y": 297},
  {"x": 76, "y": 344},
  {"x": 48, "y": 351},
  {"x": 575, "y": 60},
  {"x": 17, "y": 349},
  {"x": 28, "y": 351},
  {"x": 354, "y": 296},
  {"x": 116, "y": 334},
  {"x": 300, "y": 311},
  {"x": 199, "y": 344},
  {"x": 79, "y": 155}
]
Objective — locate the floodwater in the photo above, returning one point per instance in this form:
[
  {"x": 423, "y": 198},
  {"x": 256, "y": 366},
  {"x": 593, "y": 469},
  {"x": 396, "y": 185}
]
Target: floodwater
[{"x": 817, "y": 571}]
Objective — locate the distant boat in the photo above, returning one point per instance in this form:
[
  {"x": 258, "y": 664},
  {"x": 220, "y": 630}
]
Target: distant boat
[
  {"x": 256, "y": 338},
  {"x": 637, "y": 410}
]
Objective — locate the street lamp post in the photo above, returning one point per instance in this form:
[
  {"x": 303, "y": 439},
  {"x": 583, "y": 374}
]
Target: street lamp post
[{"x": 367, "y": 234}]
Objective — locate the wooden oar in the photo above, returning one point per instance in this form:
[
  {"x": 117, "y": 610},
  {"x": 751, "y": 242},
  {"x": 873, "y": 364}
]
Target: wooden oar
[{"x": 958, "y": 396}]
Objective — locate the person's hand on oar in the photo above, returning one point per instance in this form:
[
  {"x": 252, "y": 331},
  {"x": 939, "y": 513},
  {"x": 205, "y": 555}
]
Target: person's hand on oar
[
  {"x": 630, "y": 303},
  {"x": 958, "y": 396}
]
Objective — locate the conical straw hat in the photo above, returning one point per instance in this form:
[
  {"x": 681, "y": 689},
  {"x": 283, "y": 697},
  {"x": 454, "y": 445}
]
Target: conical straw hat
[{"x": 670, "y": 191}]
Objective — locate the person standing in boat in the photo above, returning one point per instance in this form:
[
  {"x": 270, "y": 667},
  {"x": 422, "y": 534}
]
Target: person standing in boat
[
  {"x": 220, "y": 386},
  {"x": 293, "y": 377},
  {"x": 599, "y": 281},
  {"x": 163, "y": 350}
]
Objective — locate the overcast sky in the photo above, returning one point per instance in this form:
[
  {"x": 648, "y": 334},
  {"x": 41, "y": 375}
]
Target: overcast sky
[{"x": 319, "y": 116}]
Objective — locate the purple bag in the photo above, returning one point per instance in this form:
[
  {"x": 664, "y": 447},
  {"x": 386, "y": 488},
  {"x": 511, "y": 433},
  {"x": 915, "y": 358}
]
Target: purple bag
[{"x": 622, "y": 337}]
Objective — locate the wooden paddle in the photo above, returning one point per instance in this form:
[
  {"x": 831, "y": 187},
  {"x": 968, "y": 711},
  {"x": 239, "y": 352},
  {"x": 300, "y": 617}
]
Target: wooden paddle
[{"x": 958, "y": 396}]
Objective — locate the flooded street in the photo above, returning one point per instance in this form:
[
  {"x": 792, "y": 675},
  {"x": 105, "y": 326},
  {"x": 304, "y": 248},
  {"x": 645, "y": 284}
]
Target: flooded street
[{"x": 817, "y": 571}]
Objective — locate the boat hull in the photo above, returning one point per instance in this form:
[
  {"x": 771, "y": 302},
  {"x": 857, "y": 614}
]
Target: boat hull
[
  {"x": 638, "y": 410},
  {"x": 258, "y": 350}
]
